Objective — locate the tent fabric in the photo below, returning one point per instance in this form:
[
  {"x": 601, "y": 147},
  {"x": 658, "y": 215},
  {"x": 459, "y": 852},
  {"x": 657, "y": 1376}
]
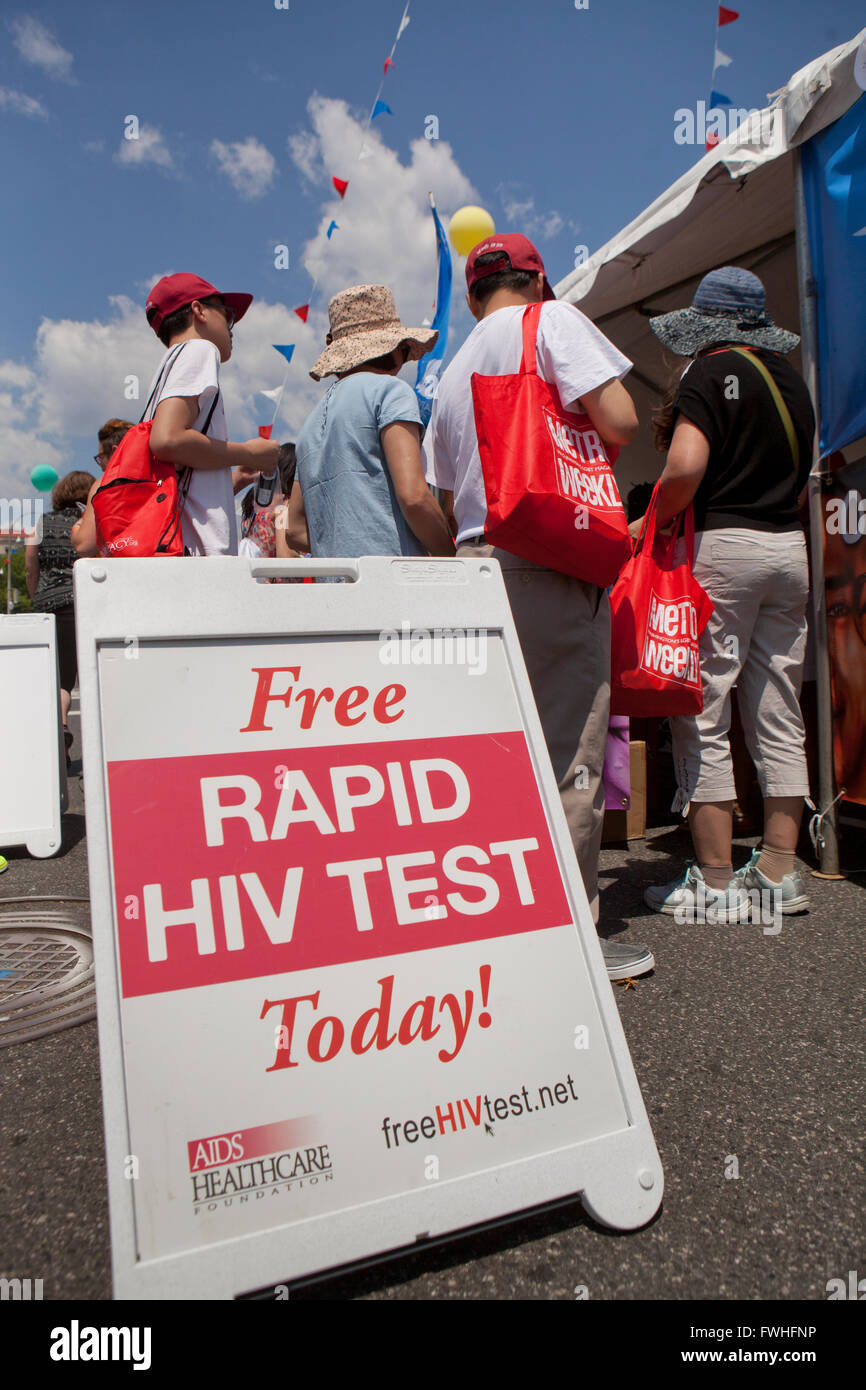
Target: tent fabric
[{"x": 736, "y": 205}]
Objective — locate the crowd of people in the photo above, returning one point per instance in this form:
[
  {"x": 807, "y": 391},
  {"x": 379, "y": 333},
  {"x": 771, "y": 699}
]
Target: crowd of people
[{"x": 364, "y": 478}]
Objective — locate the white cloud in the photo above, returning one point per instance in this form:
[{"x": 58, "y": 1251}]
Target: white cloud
[
  {"x": 21, "y": 103},
  {"x": 38, "y": 46},
  {"x": 149, "y": 148},
  {"x": 77, "y": 376},
  {"x": 386, "y": 232},
  {"x": 248, "y": 164},
  {"x": 524, "y": 217}
]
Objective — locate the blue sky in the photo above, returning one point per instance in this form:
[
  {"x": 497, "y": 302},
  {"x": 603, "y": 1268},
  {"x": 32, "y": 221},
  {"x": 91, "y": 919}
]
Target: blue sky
[{"x": 560, "y": 121}]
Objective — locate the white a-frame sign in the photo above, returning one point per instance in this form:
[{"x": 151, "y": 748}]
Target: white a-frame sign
[{"x": 349, "y": 992}]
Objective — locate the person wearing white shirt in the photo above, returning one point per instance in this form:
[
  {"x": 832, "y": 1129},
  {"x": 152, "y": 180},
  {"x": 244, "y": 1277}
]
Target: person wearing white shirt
[{"x": 563, "y": 623}]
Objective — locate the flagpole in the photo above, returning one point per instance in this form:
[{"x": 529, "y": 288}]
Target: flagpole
[{"x": 828, "y": 844}]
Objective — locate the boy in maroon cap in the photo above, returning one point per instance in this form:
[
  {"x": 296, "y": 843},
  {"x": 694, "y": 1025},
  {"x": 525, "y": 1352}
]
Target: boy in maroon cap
[{"x": 188, "y": 312}]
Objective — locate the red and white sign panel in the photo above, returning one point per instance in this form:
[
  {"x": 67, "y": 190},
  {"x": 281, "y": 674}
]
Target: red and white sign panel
[{"x": 347, "y": 958}]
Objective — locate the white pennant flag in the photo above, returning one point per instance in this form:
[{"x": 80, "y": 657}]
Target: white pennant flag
[
  {"x": 271, "y": 395},
  {"x": 722, "y": 60},
  {"x": 365, "y": 153},
  {"x": 403, "y": 22}
]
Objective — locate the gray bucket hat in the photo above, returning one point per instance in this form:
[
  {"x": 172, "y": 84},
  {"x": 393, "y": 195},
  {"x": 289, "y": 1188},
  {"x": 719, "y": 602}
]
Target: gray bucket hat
[{"x": 729, "y": 307}]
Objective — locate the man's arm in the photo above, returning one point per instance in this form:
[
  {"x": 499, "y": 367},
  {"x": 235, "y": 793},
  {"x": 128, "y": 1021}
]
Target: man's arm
[
  {"x": 83, "y": 533},
  {"x": 423, "y": 515},
  {"x": 611, "y": 410},
  {"x": 174, "y": 439},
  {"x": 31, "y": 566}
]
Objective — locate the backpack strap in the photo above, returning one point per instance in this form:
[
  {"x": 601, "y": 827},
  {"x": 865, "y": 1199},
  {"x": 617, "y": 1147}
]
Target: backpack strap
[
  {"x": 783, "y": 411},
  {"x": 163, "y": 371}
]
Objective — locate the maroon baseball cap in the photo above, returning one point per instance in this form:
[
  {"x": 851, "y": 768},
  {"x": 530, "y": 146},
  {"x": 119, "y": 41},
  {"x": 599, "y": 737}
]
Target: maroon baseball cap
[
  {"x": 516, "y": 253},
  {"x": 174, "y": 291}
]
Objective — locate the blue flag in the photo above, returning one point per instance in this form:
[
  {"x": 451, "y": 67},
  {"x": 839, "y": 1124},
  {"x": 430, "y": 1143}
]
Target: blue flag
[
  {"x": 286, "y": 349},
  {"x": 718, "y": 99},
  {"x": 430, "y": 365},
  {"x": 834, "y": 185},
  {"x": 380, "y": 109},
  {"x": 334, "y": 227}
]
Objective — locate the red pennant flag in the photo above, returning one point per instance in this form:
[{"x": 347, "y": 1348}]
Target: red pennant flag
[
  {"x": 302, "y": 312},
  {"x": 265, "y": 431},
  {"x": 727, "y": 16},
  {"x": 341, "y": 185},
  {"x": 712, "y": 140},
  {"x": 389, "y": 63}
]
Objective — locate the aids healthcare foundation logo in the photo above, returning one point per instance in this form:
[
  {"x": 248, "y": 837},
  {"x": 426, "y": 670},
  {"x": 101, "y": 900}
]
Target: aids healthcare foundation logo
[
  {"x": 246, "y": 1166},
  {"x": 671, "y": 643}
]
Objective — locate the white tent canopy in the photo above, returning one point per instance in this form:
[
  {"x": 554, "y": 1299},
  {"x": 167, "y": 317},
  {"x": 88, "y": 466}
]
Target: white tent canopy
[{"x": 736, "y": 206}]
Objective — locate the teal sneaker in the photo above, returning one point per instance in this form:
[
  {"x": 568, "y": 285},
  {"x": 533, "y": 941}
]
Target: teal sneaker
[
  {"x": 789, "y": 896},
  {"x": 690, "y": 899}
]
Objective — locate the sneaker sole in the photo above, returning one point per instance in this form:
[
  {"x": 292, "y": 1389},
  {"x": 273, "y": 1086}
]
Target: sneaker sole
[
  {"x": 720, "y": 919},
  {"x": 624, "y": 972}
]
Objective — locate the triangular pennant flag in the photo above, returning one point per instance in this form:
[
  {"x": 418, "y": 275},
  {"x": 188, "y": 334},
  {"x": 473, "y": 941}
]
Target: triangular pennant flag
[
  {"x": 719, "y": 99},
  {"x": 380, "y": 109},
  {"x": 722, "y": 60},
  {"x": 727, "y": 16},
  {"x": 286, "y": 349},
  {"x": 302, "y": 312},
  {"x": 403, "y": 22},
  {"x": 341, "y": 185},
  {"x": 277, "y": 391},
  {"x": 265, "y": 431},
  {"x": 712, "y": 140},
  {"x": 389, "y": 63},
  {"x": 334, "y": 227},
  {"x": 365, "y": 153}
]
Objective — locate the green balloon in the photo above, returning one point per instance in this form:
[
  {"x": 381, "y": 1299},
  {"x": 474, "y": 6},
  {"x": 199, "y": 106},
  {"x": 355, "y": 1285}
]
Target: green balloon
[{"x": 44, "y": 477}]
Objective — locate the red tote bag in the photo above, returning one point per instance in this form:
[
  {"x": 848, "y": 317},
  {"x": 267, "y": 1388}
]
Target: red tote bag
[
  {"x": 551, "y": 494},
  {"x": 658, "y": 612}
]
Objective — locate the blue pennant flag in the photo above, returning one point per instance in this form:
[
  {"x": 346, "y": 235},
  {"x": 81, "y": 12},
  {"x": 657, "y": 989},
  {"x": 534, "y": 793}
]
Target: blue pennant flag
[
  {"x": 286, "y": 349},
  {"x": 334, "y": 227},
  {"x": 719, "y": 99},
  {"x": 430, "y": 364},
  {"x": 380, "y": 109}
]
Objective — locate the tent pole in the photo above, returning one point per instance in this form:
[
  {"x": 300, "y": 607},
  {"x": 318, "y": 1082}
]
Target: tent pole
[{"x": 829, "y": 846}]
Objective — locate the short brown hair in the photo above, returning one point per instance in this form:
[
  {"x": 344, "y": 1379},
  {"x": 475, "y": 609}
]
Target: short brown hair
[
  {"x": 111, "y": 426},
  {"x": 72, "y": 488}
]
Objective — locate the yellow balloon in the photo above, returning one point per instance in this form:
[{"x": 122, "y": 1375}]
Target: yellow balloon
[{"x": 467, "y": 227}]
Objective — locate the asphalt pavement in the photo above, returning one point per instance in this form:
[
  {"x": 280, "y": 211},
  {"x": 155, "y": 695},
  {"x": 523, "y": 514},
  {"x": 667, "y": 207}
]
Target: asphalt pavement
[{"x": 750, "y": 1052}]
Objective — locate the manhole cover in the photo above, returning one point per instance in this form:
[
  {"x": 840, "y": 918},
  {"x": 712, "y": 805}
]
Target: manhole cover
[{"x": 46, "y": 967}]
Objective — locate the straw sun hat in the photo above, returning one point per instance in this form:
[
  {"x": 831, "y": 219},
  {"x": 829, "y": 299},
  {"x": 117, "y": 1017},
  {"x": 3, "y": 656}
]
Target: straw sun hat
[{"x": 365, "y": 324}]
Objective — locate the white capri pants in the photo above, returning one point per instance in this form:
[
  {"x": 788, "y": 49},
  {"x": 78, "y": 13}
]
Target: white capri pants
[{"x": 756, "y": 640}]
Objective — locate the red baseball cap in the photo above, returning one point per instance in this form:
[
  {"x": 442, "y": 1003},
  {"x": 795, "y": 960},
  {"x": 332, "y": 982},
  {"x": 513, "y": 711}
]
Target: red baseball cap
[
  {"x": 517, "y": 253},
  {"x": 174, "y": 291}
]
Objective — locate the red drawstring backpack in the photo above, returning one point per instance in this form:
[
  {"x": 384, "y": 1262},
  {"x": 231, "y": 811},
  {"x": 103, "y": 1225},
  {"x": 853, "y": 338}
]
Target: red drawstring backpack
[
  {"x": 139, "y": 505},
  {"x": 658, "y": 612},
  {"x": 551, "y": 494}
]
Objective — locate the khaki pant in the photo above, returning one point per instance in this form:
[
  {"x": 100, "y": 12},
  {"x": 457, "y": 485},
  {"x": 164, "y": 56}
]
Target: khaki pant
[
  {"x": 756, "y": 640},
  {"x": 564, "y": 631}
]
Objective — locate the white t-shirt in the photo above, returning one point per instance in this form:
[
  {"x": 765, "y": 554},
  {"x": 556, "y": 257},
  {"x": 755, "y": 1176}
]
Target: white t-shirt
[
  {"x": 571, "y": 353},
  {"x": 209, "y": 521}
]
